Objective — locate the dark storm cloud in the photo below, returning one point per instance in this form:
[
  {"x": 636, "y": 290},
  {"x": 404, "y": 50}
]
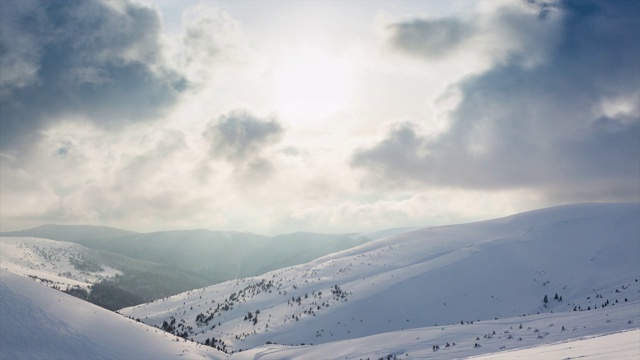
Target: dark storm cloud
[
  {"x": 84, "y": 58},
  {"x": 240, "y": 136},
  {"x": 539, "y": 127},
  {"x": 429, "y": 38}
]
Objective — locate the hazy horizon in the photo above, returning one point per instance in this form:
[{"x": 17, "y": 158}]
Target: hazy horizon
[{"x": 373, "y": 230}]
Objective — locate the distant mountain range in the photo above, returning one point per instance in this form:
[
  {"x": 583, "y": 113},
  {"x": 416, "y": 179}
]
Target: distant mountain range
[
  {"x": 215, "y": 256},
  {"x": 159, "y": 264},
  {"x": 70, "y": 233},
  {"x": 103, "y": 278}
]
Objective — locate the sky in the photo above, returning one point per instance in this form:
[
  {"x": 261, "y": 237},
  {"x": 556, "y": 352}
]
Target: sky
[{"x": 327, "y": 116}]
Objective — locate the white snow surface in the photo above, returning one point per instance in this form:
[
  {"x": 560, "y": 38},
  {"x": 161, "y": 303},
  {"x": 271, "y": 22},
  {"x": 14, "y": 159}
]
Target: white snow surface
[
  {"x": 49, "y": 261},
  {"x": 619, "y": 346},
  {"x": 541, "y": 337},
  {"x": 426, "y": 282},
  {"x": 37, "y": 322}
]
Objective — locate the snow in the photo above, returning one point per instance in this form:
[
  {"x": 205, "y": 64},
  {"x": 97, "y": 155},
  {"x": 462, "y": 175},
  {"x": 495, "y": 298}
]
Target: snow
[
  {"x": 430, "y": 279},
  {"x": 37, "y": 322},
  {"x": 537, "y": 331},
  {"x": 620, "y": 346},
  {"x": 49, "y": 260},
  {"x": 479, "y": 285}
]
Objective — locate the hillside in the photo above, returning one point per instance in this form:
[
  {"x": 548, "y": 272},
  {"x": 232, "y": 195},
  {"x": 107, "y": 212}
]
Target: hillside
[
  {"x": 588, "y": 254},
  {"x": 37, "y": 322},
  {"x": 544, "y": 336},
  {"x": 219, "y": 256},
  {"x": 620, "y": 346},
  {"x": 62, "y": 265},
  {"x": 103, "y": 278}
]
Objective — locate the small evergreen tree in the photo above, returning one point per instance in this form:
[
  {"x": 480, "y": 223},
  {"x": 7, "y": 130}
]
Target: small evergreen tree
[{"x": 546, "y": 299}]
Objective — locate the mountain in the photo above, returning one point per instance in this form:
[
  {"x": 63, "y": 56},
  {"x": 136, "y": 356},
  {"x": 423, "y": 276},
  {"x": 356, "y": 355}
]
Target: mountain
[
  {"x": 109, "y": 280},
  {"x": 587, "y": 254},
  {"x": 164, "y": 263},
  {"x": 63, "y": 265},
  {"x": 37, "y": 322},
  {"x": 70, "y": 233},
  {"x": 219, "y": 256}
]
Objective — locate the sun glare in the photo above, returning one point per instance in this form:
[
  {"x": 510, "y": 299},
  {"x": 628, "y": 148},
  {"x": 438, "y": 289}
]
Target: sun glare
[{"x": 311, "y": 85}]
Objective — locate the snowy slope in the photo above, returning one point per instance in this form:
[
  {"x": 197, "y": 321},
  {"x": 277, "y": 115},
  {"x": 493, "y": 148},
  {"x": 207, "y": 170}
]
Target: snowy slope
[
  {"x": 57, "y": 263},
  {"x": 528, "y": 337},
  {"x": 115, "y": 280},
  {"x": 37, "y": 322},
  {"x": 588, "y": 254},
  {"x": 619, "y": 346}
]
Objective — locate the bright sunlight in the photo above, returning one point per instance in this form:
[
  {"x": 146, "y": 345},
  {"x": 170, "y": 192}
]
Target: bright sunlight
[{"x": 311, "y": 85}]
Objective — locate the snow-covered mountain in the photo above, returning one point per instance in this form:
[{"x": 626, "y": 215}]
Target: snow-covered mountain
[
  {"x": 103, "y": 278},
  {"x": 37, "y": 322},
  {"x": 225, "y": 255},
  {"x": 216, "y": 256},
  {"x": 60, "y": 264},
  {"x": 589, "y": 255}
]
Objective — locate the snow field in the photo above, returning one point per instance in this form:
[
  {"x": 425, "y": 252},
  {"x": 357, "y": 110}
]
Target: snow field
[
  {"x": 435, "y": 277},
  {"x": 37, "y": 322},
  {"x": 50, "y": 261}
]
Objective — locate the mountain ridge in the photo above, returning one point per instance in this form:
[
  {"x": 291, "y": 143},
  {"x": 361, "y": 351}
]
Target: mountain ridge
[
  {"x": 222, "y": 255},
  {"x": 70, "y": 233},
  {"x": 441, "y": 275}
]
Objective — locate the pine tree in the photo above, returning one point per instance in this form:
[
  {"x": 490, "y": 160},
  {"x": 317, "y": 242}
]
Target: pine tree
[{"x": 546, "y": 299}]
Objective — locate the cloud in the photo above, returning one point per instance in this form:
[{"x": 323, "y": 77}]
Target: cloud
[
  {"x": 567, "y": 123},
  {"x": 79, "y": 173},
  {"x": 431, "y": 38},
  {"x": 241, "y": 138},
  {"x": 210, "y": 36},
  {"x": 506, "y": 33},
  {"x": 415, "y": 208},
  {"x": 92, "y": 59}
]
